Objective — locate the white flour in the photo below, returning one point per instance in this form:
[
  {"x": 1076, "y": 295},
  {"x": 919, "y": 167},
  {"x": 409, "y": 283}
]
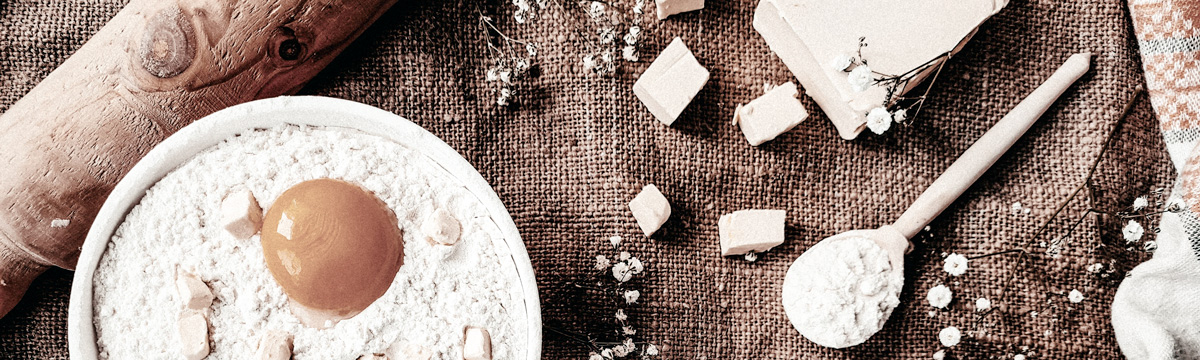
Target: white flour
[
  {"x": 841, "y": 291},
  {"x": 176, "y": 225}
]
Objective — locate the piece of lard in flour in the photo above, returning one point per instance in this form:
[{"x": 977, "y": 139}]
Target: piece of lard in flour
[
  {"x": 193, "y": 335},
  {"x": 770, "y": 115},
  {"x": 744, "y": 231},
  {"x": 274, "y": 345},
  {"x": 407, "y": 351},
  {"x": 671, "y": 7},
  {"x": 650, "y": 209},
  {"x": 193, "y": 292},
  {"x": 240, "y": 214},
  {"x": 441, "y": 228},
  {"x": 671, "y": 81},
  {"x": 477, "y": 344}
]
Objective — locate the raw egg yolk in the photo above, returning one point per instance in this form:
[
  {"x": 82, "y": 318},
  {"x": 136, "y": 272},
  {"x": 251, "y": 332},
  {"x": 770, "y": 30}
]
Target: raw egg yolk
[{"x": 333, "y": 246}]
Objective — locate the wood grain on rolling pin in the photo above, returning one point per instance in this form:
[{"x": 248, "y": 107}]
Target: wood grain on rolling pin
[{"x": 155, "y": 67}]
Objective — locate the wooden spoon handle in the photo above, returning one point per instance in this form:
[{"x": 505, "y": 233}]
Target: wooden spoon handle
[
  {"x": 993, "y": 144},
  {"x": 156, "y": 66}
]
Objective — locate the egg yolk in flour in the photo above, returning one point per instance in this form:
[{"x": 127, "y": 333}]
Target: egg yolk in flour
[{"x": 333, "y": 246}]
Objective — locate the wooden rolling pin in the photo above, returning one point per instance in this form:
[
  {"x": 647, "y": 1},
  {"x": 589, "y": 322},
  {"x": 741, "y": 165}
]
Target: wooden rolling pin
[{"x": 155, "y": 67}]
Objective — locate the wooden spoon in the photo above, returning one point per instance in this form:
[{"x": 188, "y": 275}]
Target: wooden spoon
[{"x": 816, "y": 290}]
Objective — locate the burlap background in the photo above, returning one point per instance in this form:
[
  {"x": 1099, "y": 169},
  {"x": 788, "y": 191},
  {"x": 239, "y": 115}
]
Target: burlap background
[{"x": 576, "y": 148}]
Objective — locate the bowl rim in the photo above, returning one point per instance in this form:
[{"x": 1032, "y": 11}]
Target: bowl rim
[{"x": 299, "y": 110}]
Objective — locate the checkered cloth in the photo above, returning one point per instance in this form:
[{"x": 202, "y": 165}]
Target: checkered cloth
[{"x": 1155, "y": 312}]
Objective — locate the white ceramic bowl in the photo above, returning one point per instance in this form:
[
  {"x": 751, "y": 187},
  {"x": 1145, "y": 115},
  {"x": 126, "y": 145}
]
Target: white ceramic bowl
[{"x": 300, "y": 110}]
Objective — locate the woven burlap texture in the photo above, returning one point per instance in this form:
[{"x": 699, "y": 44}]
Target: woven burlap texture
[{"x": 575, "y": 148}]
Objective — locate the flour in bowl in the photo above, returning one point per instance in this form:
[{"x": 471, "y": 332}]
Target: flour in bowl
[{"x": 176, "y": 227}]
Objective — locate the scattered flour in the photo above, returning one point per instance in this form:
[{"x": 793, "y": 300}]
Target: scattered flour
[
  {"x": 841, "y": 291},
  {"x": 176, "y": 226}
]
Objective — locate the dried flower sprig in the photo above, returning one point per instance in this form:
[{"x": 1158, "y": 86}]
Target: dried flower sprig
[
  {"x": 607, "y": 32},
  {"x": 511, "y": 59},
  {"x": 895, "y": 108}
]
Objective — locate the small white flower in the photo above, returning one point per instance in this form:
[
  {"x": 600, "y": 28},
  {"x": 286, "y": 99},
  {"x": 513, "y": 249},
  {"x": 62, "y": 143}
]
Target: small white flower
[
  {"x": 602, "y": 262},
  {"x": 638, "y": 6},
  {"x": 628, "y": 343},
  {"x": 597, "y": 9},
  {"x": 879, "y": 120},
  {"x": 751, "y": 256},
  {"x": 841, "y": 62},
  {"x": 1140, "y": 203},
  {"x": 606, "y": 353},
  {"x": 502, "y": 101},
  {"x": 1095, "y": 268},
  {"x": 629, "y": 53},
  {"x": 521, "y": 65},
  {"x": 607, "y": 57},
  {"x": 595, "y": 356},
  {"x": 939, "y": 355},
  {"x": 621, "y": 315},
  {"x": 628, "y": 330},
  {"x": 615, "y": 240},
  {"x": 493, "y": 74},
  {"x": 632, "y": 296},
  {"x": 950, "y": 336},
  {"x": 982, "y": 304},
  {"x": 1075, "y": 296},
  {"x": 607, "y": 35},
  {"x": 939, "y": 296},
  {"x": 1133, "y": 231},
  {"x": 521, "y": 16},
  {"x": 621, "y": 272},
  {"x": 860, "y": 78},
  {"x": 521, "y": 4},
  {"x": 531, "y": 48},
  {"x": 635, "y": 266},
  {"x": 589, "y": 62},
  {"x": 631, "y": 38},
  {"x": 955, "y": 264},
  {"x": 1019, "y": 357},
  {"x": 621, "y": 350},
  {"x": 1017, "y": 207},
  {"x": 651, "y": 350},
  {"x": 625, "y": 255},
  {"x": 900, "y": 115},
  {"x": 506, "y": 75}
]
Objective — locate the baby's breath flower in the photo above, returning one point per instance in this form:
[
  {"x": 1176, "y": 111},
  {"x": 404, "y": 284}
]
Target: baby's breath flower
[
  {"x": 939, "y": 296},
  {"x": 939, "y": 355},
  {"x": 493, "y": 74},
  {"x": 751, "y": 256},
  {"x": 628, "y": 330},
  {"x": 629, "y": 344},
  {"x": 589, "y": 62},
  {"x": 503, "y": 99},
  {"x": 521, "y": 65},
  {"x": 955, "y": 264},
  {"x": 1133, "y": 231},
  {"x": 595, "y": 356},
  {"x": 631, "y": 38},
  {"x": 521, "y": 16},
  {"x": 625, "y": 255},
  {"x": 615, "y": 240},
  {"x": 629, "y": 53},
  {"x": 950, "y": 336},
  {"x": 1019, "y": 357},
  {"x": 607, "y": 35},
  {"x": 620, "y": 351},
  {"x": 860, "y": 78},
  {"x": 638, "y": 7},
  {"x": 602, "y": 262},
  {"x": 841, "y": 62},
  {"x": 879, "y": 120},
  {"x": 900, "y": 115},
  {"x": 531, "y": 48},
  {"x": 597, "y": 10},
  {"x": 506, "y": 75},
  {"x": 635, "y": 266},
  {"x": 632, "y": 296},
  {"x": 1095, "y": 268},
  {"x": 607, "y": 353},
  {"x": 1140, "y": 203},
  {"x": 651, "y": 350},
  {"x": 982, "y": 304},
  {"x": 1075, "y": 296},
  {"x": 621, "y": 272},
  {"x": 621, "y": 315}
]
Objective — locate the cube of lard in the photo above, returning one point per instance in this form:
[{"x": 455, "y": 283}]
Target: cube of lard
[
  {"x": 406, "y": 351},
  {"x": 274, "y": 345},
  {"x": 193, "y": 292},
  {"x": 650, "y": 208},
  {"x": 744, "y": 231},
  {"x": 671, "y": 7},
  {"x": 769, "y": 115},
  {"x": 477, "y": 344},
  {"x": 671, "y": 81},
  {"x": 193, "y": 335},
  {"x": 240, "y": 214}
]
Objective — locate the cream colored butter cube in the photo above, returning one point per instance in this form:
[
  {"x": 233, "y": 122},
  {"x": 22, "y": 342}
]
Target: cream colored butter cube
[
  {"x": 477, "y": 344},
  {"x": 405, "y": 351},
  {"x": 671, "y": 81},
  {"x": 193, "y": 292},
  {"x": 193, "y": 335},
  {"x": 769, "y": 115},
  {"x": 240, "y": 214},
  {"x": 671, "y": 7},
  {"x": 274, "y": 345},
  {"x": 441, "y": 228},
  {"x": 744, "y": 231},
  {"x": 650, "y": 208}
]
